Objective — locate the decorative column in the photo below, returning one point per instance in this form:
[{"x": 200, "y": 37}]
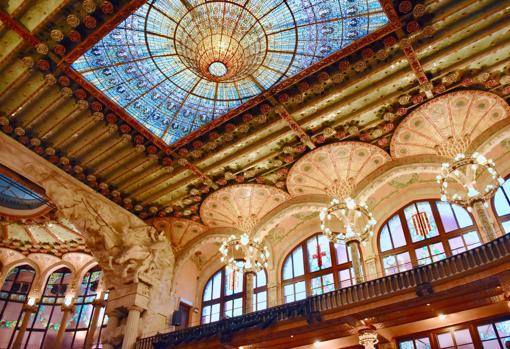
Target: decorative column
[
  {"x": 485, "y": 223},
  {"x": 28, "y": 309},
  {"x": 97, "y": 305},
  {"x": 67, "y": 310},
  {"x": 113, "y": 323},
  {"x": 368, "y": 338},
  {"x": 248, "y": 307},
  {"x": 354, "y": 250},
  {"x": 131, "y": 329}
]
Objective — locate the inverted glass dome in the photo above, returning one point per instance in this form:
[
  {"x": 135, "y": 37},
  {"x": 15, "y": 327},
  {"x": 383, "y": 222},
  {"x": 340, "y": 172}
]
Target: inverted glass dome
[{"x": 177, "y": 65}]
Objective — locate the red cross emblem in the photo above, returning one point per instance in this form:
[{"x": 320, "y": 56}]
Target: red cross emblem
[{"x": 318, "y": 255}]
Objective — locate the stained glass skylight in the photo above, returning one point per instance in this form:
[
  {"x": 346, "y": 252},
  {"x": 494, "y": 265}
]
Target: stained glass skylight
[
  {"x": 175, "y": 65},
  {"x": 14, "y": 195}
]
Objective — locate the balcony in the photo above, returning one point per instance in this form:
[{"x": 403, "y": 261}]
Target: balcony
[{"x": 458, "y": 283}]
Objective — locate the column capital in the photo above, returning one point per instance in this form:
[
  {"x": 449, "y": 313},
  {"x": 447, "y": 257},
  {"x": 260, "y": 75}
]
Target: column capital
[
  {"x": 30, "y": 308},
  {"x": 135, "y": 307},
  {"x": 68, "y": 307},
  {"x": 99, "y": 303}
]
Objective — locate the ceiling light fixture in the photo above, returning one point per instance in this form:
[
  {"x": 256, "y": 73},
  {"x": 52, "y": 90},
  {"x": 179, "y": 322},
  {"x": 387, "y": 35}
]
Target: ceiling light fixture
[{"x": 241, "y": 253}]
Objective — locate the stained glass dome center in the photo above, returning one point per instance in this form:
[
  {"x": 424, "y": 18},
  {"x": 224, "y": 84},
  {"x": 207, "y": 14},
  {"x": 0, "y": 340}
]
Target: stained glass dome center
[
  {"x": 221, "y": 41},
  {"x": 159, "y": 64},
  {"x": 218, "y": 69}
]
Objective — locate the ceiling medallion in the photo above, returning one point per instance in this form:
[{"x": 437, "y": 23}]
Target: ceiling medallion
[{"x": 175, "y": 65}]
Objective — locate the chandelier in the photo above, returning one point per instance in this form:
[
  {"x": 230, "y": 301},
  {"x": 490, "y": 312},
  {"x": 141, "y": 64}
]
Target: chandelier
[
  {"x": 244, "y": 254},
  {"x": 355, "y": 220},
  {"x": 469, "y": 179}
]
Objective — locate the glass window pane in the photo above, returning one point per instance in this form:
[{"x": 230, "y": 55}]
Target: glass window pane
[
  {"x": 423, "y": 255},
  {"x": 397, "y": 233},
  {"x": 300, "y": 290},
  {"x": 462, "y": 337},
  {"x": 297, "y": 258},
  {"x": 445, "y": 340},
  {"x": 447, "y": 216},
  {"x": 319, "y": 254},
  {"x": 385, "y": 240},
  {"x": 486, "y": 332},
  {"x": 404, "y": 261},
  {"x": 390, "y": 265},
  {"x": 341, "y": 253},
  {"x": 260, "y": 278},
  {"x": 422, "y": 343},
  {"x": 406, "y": 345},
  {"x": 216, "y": 286},
  {"x": 472, "y": 239},
  {"x": 437, "y": 251},
  {"x": 456, "y": 245},
  {"x": 420, "y": 221},
  {"x": 208, "y": 291},
  {"x": 500, "y": 202},
  {"x": 503, "y": 328},
  {"x": 288, "y": 293},
  {"x": 506, "y": 227},
  {"x": 287, "y": 269},
  {"x": 463, "y": 216},
  {"x": 233, "y": 282}
]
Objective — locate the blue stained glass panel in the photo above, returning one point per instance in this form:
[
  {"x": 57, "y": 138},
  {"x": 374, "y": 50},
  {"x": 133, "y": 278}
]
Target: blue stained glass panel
[{"x": 159, "y": 63}]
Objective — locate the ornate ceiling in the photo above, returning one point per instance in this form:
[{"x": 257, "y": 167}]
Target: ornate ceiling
[
  {"x": 360, "y": 94},
  {"x": 458, "y": 117},
  {"x": 177, "y": 65}
]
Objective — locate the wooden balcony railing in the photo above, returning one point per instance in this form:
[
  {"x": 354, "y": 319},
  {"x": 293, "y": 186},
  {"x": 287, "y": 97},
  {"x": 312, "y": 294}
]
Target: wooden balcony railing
[{"x": 419, "y": 279}]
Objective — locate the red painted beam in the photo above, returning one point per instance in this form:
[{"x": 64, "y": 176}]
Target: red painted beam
[
  {"x": 18, "y": 28},
  {"x": 413, "y": 61}
]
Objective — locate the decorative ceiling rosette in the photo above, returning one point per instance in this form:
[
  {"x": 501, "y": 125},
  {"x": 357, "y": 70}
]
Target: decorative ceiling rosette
[
  {"x": 335, "y": 169},
  {"x": 240, "y": 206},
  {"x": 180, "y": 231},
  {"x": 447, "y": 125}
]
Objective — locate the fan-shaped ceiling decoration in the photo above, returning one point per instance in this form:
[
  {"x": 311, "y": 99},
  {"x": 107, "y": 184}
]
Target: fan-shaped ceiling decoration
[
  {"x": 334, "y": 169},
  {"x": 180, "y": 231},
  {"x": 54, "y": 238},
  {"x": 240, "y": 206},
  {"x": 176, "y": 65},
  {"x": 451, "y": 121}
]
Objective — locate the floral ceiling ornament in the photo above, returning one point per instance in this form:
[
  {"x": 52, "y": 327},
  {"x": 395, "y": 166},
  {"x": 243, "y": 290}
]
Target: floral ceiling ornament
[
  {"x": 335, "y": 170},
  {"x": 447, "y": 126}
]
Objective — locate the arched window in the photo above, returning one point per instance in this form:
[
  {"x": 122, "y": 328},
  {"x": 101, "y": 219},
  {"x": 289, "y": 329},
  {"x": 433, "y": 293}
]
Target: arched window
[
  {"x": 42, "y": 330},
  {"x": 425, "y": 232},
  {"x": 80, "y": 321},
  {"x": 316, "y": 266},
  {"x": 224, "y": 294},
  {"x": 501, "y": 204},
  {"x": 13, "y": 295}
]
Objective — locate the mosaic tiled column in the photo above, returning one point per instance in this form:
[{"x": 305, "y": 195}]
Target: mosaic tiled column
[
  {"x": 354, "y": 250},
  {"x": 98, "y": 304},
  {"x": 485, "y": 224},
  {"x": 28, "y": 311},
  {"x": 67, "y": 311},
  {"x": 248, "y": 307}
]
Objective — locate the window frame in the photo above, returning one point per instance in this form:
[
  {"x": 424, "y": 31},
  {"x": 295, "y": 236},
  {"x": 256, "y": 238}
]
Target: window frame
[
  {"x": 309, "y": 275},
  {"x": 223, "y": 298},
  {"x": 472, "y": 326},
  {"x": 506, "y": 217},
  {"x": 411, "y": 246},
  {"x": 18, "y": 269}
]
